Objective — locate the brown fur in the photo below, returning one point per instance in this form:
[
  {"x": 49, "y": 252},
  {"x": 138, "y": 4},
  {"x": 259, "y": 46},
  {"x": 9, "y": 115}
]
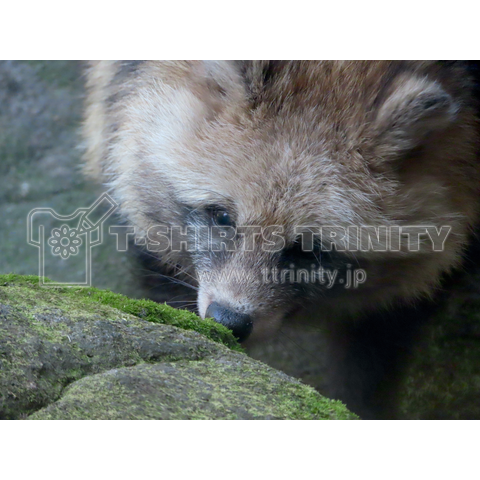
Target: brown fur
[{"x": 292, "y": 143}]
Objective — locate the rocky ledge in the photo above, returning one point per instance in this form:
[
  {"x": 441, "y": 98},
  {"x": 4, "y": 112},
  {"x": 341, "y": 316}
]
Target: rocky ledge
[{"x": 84, "y": 353}]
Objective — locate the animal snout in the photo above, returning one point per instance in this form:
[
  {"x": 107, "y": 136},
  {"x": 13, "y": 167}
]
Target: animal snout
[{"x": 239, "y": 323}]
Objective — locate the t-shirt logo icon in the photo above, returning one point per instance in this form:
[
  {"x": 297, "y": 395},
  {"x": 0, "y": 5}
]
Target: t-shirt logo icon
[{"x": 65, "y": 241}]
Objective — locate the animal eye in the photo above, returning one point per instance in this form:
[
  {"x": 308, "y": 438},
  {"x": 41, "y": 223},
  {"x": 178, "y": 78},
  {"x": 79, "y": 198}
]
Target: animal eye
[{"x": 220, "y": 216}]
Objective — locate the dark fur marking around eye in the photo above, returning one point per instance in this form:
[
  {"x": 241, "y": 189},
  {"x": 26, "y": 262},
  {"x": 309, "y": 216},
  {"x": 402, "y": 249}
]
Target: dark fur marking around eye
[{"x": 304, "y": 259}]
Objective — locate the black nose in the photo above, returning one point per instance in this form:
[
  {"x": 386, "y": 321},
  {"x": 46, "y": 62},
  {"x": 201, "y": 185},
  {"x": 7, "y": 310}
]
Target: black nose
[{"x": 240, "y": 324}]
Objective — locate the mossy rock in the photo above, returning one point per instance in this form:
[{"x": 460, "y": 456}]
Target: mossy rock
[{"x": 79, "y": 353}]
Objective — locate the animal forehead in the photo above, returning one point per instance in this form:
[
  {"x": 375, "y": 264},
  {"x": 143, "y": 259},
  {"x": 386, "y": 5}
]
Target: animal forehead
[
  {"x": 268, "y": 202},
  {"x": 277, "y": 179}
]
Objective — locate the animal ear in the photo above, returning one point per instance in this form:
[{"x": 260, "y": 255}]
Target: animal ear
[{"x": 414, "y": 110}]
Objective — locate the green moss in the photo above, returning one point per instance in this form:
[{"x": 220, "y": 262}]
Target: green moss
[
  {"x": 86, "y": 353},
  {"x": 237, "y": 388},
  {"x": 50, "y": 339},
  {"x": 144, "y": 309},
  {"x": 5, "y": 279}
]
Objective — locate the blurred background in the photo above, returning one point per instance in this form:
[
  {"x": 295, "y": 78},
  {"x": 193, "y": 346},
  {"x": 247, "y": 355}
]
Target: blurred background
[{"x": 40, "y": 166}]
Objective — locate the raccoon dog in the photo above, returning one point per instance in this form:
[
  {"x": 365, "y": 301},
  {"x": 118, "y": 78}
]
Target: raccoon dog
[{"x": 336, "y": 194}]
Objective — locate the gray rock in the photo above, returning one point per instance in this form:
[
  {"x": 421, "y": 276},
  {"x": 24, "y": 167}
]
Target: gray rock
[{"x": 69, "y": 353}]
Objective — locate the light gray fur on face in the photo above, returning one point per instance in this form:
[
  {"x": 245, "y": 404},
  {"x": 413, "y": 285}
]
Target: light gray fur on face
[{"x": 292, "y": 143}]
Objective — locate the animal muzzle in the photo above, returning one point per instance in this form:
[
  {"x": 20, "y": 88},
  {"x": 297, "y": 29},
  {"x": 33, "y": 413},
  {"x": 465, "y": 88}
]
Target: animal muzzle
[{"x": 239, "y": 323}]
